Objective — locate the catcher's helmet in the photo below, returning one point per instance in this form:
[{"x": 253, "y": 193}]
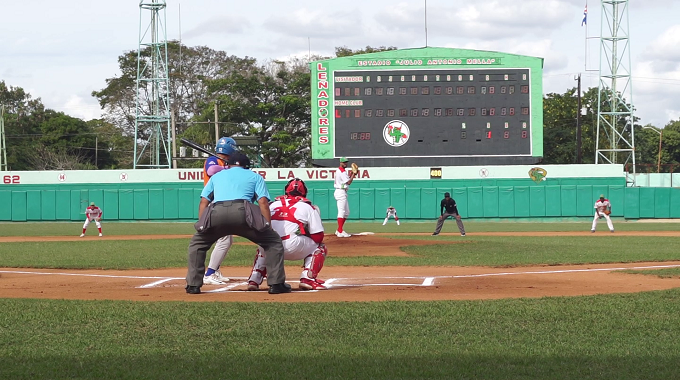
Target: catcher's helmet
[
  {"x": 296, "y": 188},
  {"x": 226, "y": 145}
]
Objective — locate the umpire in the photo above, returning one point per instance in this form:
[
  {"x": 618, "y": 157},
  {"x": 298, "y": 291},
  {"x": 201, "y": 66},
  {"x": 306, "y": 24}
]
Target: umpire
[
  {"x": 449, "y": 205},
  {"x": 232, "y": 213}
]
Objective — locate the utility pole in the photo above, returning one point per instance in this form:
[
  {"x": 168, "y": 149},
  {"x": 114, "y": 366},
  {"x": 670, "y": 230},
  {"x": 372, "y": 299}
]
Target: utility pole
[
  {"x": 3, "y": 145},
  {"x": 217, "y": 127},
  {"x": 579, "y": 155},
  {"x": 174, "y": 139}
]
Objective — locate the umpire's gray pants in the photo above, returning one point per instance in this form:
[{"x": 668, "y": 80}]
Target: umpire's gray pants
[
  {"x": 229, "y": 218},
  {"x": 440, "y": 222}
]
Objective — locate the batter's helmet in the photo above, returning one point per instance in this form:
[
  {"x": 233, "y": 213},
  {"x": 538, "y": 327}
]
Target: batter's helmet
[
  {"x": 226, "y": 145},
  {"x": 296, "y": 188}
]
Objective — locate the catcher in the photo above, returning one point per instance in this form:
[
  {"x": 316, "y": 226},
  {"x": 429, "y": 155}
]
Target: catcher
[
  {"x": 343, "y": 178},
  {"x": 602, "y": 210},
  {"x": 298, "y": 223},
  {"x": 93, "y": 213}
]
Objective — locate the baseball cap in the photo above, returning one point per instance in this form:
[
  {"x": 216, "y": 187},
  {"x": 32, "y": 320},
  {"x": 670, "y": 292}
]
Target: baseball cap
[
  {"x": 91, "y": 203},
  {"x": 601, "y": 196},
  {"x": 447, "y": 194},
  {"x": 344, "y": 159},
  {"x": 239, "y": 159}
]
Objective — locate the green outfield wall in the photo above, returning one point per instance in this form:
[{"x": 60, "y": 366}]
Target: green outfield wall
[{"x": 481, "y": 193}]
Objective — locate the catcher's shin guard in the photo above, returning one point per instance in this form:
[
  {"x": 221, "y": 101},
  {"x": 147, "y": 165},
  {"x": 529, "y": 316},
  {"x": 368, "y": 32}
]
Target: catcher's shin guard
[
  {"x": 259, "y": 271},
  {"x": 315, "y": 263}
]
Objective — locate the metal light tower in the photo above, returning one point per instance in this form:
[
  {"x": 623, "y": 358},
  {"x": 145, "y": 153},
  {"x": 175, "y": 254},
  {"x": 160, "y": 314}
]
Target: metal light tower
[
  {"x": 3, "y": 145},
  {"x": 152, "y": 120},
  {"x": 615, "y": 134}
]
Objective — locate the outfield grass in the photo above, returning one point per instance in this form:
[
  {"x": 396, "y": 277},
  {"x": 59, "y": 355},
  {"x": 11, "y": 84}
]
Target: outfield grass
[
  {"x": 476, "y": 251},
  {"x": 662, "y": 273},
  {"x": 597, "y": 337},
  {"x": 150, "y": 228}
]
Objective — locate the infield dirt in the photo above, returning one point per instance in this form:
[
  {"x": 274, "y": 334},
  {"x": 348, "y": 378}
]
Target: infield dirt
[{"x": 348, "y": 283}]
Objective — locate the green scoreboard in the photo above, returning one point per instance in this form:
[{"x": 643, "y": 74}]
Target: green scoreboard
[{"x": 428, "y": 107}]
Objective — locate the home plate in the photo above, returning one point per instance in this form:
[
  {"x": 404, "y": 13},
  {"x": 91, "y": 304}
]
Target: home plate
[{"x": 364, "y": 233}]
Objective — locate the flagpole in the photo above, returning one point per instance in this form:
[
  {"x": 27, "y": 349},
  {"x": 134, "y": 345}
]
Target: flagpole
[{"x": 585, "y": 43}]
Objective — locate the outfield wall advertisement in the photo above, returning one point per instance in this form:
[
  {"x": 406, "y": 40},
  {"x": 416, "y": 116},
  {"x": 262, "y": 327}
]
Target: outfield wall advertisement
[{"x": 536, "y": 173}]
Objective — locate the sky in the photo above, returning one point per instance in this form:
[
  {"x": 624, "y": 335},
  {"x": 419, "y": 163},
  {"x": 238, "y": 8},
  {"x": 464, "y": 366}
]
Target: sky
[{"x": 61, "y": 51}]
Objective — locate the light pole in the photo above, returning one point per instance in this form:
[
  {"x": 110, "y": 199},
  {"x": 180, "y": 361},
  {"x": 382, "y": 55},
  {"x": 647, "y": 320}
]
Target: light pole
[{"x": 660, "y": 132}]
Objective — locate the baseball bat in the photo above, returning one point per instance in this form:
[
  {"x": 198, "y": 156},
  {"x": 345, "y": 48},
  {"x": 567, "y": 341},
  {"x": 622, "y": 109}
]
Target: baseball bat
[{"x": 199, "y": 148}]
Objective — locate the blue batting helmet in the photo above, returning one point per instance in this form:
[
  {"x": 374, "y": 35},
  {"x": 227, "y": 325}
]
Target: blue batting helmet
[{"x": 226, "y": 145}]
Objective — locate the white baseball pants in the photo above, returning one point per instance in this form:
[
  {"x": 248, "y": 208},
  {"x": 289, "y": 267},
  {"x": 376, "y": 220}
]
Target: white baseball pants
[
  {"x": 219, "y": 253},
  {"x": 87, "y": 223},
  {"x": 297, "y": 247},
  {"x": 343, "y": 205},
  {"x": 609, "y": 221}
]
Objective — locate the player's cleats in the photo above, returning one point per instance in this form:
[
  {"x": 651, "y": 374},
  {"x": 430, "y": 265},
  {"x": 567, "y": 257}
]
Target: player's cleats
[
  {"x": 342, "y": 234},
  {"x": 252, "y": 285},
  {"x": 100, "y": 234},
  {"x": 306, "y": 284},
  {"x": 435, "y": 234},
  {"x": 463, "y": 234},
  {"x": 82, "y": 235},
  {"x": 211, "y": 280},
  {"x": 219, "y": 277}
]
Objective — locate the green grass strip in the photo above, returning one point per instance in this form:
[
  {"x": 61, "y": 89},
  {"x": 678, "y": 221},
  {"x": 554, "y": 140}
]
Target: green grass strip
[
  {"x": 474, "y": 251},
  {"x": 633, "y": 336}
]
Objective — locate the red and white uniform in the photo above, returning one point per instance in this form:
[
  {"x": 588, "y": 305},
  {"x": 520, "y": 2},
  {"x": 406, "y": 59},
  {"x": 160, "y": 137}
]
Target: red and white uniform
[
  {"x": 299, "y": 225},
  {"x": 600, "y": 206},
  {"x": 92, "y": 213},
  {"x": 341, "y": 179},
  {"x": 391, "y": 212}
]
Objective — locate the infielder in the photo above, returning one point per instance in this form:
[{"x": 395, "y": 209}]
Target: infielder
[
  {"x": 299, "y": 225},
  {"x": 451, "y": 208},
  {"x": 93, "y": 213},
  {"x": 391, "y": 211},
  {"x": 343, "y": 178},
  {"x": 214, "y": 164},
  {"x": 602, "y": 209}
]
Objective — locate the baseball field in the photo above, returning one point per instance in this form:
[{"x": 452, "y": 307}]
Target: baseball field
[{"x": 511, "y": 300}]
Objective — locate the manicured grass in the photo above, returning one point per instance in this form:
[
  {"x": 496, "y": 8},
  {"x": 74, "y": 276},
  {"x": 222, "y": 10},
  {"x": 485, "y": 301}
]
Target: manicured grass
[
  {"x": 473, "y": 251},
  {"x": 185, "y": 228},
  {"x": 618, "y": 337},
  {"x": 663, "y": 273}
]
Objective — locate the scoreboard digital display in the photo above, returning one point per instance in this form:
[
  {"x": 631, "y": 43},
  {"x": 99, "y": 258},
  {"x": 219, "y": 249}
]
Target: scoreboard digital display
[
  {"x": 394, "y": 112},
  {"x": 437, "y": 112}
]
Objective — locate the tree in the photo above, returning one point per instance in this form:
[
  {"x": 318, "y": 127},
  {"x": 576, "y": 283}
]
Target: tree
[
  {"x": 189, "y": 69},
  {"x": 270, "y": 102},
  {"x": 23, "y": 116},
  {"x": 344, "y": 51}
]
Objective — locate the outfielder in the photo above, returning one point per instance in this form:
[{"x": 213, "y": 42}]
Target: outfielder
[
  {"x": 343, "y": 178},
  {"x": 93, "y": 213},
  {"x": 391, "y": 211},
  {"x": 602, "y": 209},
  {"x": 213, "y": 165},
  {"x": 299, "y": 225}
]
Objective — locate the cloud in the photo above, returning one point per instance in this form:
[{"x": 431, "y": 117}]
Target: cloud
[
  {"x": 316, "y": 23},
  {"x": 78, "y": 107},
  {"x": 663, "y": 50},
  {"x": 219, "y": 25},
  {"x": 483, "y": 19}
]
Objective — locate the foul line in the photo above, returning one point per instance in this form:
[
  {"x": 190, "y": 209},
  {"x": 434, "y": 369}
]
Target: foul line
[{"x": 338, "y": 282}]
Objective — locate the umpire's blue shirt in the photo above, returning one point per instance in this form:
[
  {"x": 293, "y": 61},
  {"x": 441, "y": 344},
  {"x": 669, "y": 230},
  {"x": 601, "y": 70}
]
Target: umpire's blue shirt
[{"x": 235, "y": 183}]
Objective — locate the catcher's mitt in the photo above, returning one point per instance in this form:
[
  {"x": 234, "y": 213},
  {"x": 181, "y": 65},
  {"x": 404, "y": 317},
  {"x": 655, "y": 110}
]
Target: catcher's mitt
[
  {"x": 355, "y": 168},
  {"x": 607, "y": 212}
]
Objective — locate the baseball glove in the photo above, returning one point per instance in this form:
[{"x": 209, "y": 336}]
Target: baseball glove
[
  {"x": 607, "y": 212},
  {"x": 355, "y": 168}
]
